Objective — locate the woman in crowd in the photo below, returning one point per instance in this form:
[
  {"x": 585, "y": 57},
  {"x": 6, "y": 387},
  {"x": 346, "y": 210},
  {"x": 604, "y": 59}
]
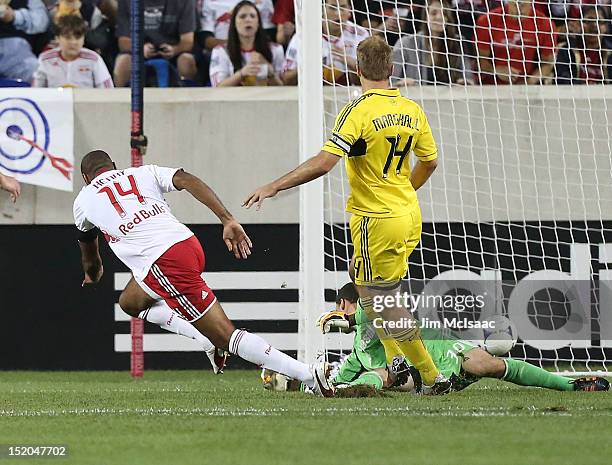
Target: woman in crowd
[
  {"x": 435, "y": 54},
  {"x": 248, "y": 58}
]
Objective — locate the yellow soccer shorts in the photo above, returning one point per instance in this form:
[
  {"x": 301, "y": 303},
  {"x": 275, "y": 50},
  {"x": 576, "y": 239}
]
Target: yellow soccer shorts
[{"x": 382, "y": 247}]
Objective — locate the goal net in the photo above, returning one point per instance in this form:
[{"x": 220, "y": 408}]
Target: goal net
[{"x": 520, "y": 207}]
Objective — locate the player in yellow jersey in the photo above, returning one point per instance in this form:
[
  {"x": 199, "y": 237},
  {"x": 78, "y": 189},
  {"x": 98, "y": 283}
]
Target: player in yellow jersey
[{"x": 376, "y": 134}]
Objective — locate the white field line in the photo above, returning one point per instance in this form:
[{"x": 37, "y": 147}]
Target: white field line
[{"x": 358, "y": 411}]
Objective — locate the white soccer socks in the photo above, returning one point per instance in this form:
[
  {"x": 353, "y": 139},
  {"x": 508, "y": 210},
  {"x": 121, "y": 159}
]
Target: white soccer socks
[
  {"x": 256, "y": 350},
  {"x": 168, "y": 319}
]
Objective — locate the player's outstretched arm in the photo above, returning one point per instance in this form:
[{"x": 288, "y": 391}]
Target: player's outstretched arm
[
  {"x": 312, "y": 168},
  {"x": 421, "y": 172},
  {"x": 234, "y": 236},
  {"x": 11, "y": 185},
  {"x": 90, "y": 258}
]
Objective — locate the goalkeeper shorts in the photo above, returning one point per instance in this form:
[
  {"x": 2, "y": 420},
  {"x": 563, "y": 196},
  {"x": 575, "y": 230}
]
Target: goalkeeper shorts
[{"x": 382, "y": 247}]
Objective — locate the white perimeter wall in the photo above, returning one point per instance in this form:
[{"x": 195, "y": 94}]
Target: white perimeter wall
[{"x": 506, "y": 153}]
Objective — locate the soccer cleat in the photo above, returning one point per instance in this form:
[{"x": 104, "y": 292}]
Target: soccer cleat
[
  {"x": 591, "y": 384},
  {"x": 401, "y": 372},
  {"x": 462, "y": 380},
  {"x": 322, "y": 386},
  {"x": 440, "y": 387},
  {"x": 218, "y": 359}
]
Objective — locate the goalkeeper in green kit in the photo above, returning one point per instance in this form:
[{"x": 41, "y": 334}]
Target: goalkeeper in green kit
[{"x": 460, "y": 361}]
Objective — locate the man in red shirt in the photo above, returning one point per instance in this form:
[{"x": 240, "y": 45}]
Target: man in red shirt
[
  {"x": 516, "y": 43},
  {"x": 284, "y": 18}
]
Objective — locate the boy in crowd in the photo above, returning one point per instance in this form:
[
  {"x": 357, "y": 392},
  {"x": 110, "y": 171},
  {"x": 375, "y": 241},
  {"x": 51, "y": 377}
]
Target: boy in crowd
[{"x": 70, "y": 64}]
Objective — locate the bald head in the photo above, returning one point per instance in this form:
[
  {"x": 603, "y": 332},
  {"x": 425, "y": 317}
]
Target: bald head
[{"x": 95, "y": 161}]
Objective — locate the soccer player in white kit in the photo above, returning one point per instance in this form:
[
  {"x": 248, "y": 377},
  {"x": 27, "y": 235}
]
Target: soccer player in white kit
[{"x": 166, "y": 259}]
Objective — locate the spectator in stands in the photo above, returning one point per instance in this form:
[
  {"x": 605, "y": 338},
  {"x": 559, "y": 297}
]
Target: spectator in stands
[
  {"x": 516, "y": 43},
  {"x": 91, "y": 10},
  {"x": 249, "y": 58},
  {"x": 19, "y": 21},
  {"x": 584, "y": 58},
  {"x": 100, "y": 16},
  {"x": 216, "y": 15},
  {"x": 468, "y": 11},
  {"x": 434, "y": 55},
  {"x": 340, "y": 40},
  {"x": 284, "y": 19},
  {"x": 394, "y": 19},
  {"x": 168, "y": 33},
  {"x": 362, "y": 10},
  {"x": 71, "y": 65},
  {"x": 560, "y": 13},
  {"x": 563, "y": 12}
]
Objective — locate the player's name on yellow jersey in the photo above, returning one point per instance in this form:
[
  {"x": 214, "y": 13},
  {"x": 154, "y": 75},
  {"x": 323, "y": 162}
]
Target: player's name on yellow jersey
[
  {"x": 395, "y": 119},
  {"x": 376, "y": 133}
]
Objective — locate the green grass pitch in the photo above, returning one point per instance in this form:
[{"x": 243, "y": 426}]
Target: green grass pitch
[{"x": 193, "y": 417}]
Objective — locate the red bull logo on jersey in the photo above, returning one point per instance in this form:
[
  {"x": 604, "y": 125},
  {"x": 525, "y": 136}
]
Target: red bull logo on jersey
[{"x": 141, "y": 216}]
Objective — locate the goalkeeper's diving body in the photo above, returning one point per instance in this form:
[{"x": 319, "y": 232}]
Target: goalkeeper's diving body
[
  {"x": 460, "y": 361},
  {"x": 376, "y": 134}
]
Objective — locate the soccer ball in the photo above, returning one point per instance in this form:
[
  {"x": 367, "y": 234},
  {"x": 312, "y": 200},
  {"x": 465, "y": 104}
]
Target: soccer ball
[
  {"x": 273, "y": 381},
  {"x": 501, "y": 338}
]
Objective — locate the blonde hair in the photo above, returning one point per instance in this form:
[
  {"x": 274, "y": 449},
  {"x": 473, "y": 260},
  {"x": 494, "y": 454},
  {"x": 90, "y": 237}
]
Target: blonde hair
[{"x": 374, "y": 58}]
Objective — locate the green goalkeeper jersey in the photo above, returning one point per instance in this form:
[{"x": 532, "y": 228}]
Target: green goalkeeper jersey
[
  {"x": 446, "y": 350},
  {"x": 366, "y": 338},
  {"x": 368, "y": 352}
]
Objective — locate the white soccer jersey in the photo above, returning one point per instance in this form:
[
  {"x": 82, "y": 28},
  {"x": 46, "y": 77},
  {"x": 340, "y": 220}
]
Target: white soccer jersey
[
  {"x": 88, "y": 70},
  {"x": 291, "y": 54},
  {"x": 221, "y": 66},
  {"x": 351, "y": 35},
  {"x": 128, "y": 206},
  {"x": 216, "y": 15}
]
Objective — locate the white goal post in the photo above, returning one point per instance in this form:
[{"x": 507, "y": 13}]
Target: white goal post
[
  {"x": 521, "y": 204},
  {"x": 311, "y": 292}
]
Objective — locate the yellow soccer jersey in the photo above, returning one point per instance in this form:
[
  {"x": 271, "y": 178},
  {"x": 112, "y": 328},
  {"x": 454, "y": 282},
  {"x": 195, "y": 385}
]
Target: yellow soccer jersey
[{"x": 376, "y": 133}]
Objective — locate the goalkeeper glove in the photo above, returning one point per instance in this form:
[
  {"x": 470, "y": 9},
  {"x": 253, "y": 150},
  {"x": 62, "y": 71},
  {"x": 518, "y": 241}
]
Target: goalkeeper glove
[{"x": 334, "y": 321}]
